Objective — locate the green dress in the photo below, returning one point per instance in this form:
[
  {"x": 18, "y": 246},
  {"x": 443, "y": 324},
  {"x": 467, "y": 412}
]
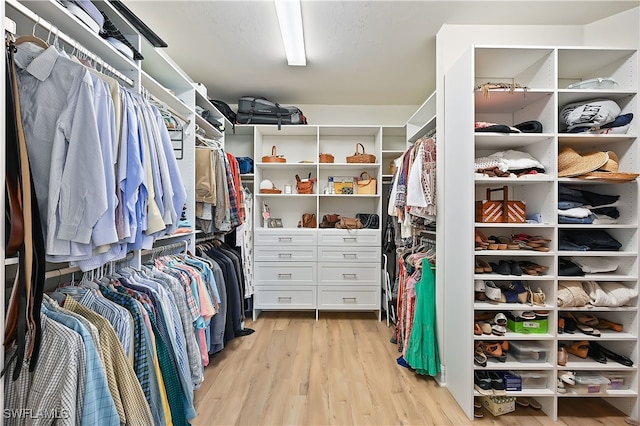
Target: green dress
[{"x": 422, "y": 352}]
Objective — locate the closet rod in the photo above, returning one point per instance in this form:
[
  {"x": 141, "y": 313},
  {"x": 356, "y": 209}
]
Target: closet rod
[
  {"x": 182, "y": 244},
  {"x": 59, "y": 34},
  {"x": 207, "y": 238},
  {"x": 60, "y": 272},
  {"x": 167, "y": 107}
]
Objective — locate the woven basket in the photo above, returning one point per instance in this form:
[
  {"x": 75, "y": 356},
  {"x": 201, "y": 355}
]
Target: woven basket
[
  {"x": 273, "y": 158},
  {"x": 305, "y": 187},
  {"x": 326, "y": 158},
  {"x": 273, "y": 190},
  {"x": 361, "y": 157}
]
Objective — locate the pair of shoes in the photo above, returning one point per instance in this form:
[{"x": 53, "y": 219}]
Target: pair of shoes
[
  {"x": 505, "y": 267},
  {"x": 479, "y": 358},
  {"x": 568, "y": 377},
  {"x": 484, "y": 242},
  {"x": 620, "y": 359},
  {"x": 562, "y": 355},
  {"x": 492, "y": 291},
  {"x": 482, "y": 382},
  {"x": 579, "y": 349},
  {"x": 536, "y": 298},
  {"x": 604, "y": 323},
  {"x": 528, "y": 402},
  {"x": 513, "y": 292},
  {"x": 506, "y": 242},
  {"x": 494, "y": 350},
  {"x": 584, "y": 323},
  {"x": 596, "y": 354},
  {"x": 482, "y": 267}
]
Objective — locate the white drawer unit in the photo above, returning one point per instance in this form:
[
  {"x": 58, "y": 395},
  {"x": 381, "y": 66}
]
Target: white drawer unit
[
  {"x": 289, "y": 237},
  {"x": 285, "y": 254},
  {"x": 352, "y": 275},
  {"x": 348, "y": 299},
  {"x": 284, "y": 298},
  {"x": 292, "y": 274},
  {"x": 346, "y": 254},
  {"x": 356, "y": 237}
]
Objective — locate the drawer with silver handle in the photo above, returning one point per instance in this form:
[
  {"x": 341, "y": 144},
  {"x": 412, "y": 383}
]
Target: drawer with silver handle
[
  {"x": 290, "y": 237},
  {"x": 344, "y": 254},
  {"x": 285, "y": 254},
  {"x": 355, "y": 274},
  {"x": 303, "y": 297},
  {"x": 348, "y": 299},
  {"x": 359, "y": 237},
  {"x": 277, "y": 273}
]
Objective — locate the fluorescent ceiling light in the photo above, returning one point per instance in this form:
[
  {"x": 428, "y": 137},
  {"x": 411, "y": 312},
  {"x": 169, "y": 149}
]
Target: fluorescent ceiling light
[{"x": 290, "y": 20}]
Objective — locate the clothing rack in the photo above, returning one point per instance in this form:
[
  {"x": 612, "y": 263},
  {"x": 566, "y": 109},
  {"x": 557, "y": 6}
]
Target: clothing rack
[
  {"x": 149, "y": 95},
  {"x": 57, "y": 273},
  {"x": 166, "y": 249},
  {"x": 67, "y": 39},
  {"x": 207, "y": 238}
]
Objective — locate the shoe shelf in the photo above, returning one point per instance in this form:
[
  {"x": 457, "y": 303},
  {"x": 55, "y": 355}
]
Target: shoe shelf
[
  {"x": 545, "y": 72},
  {"x": 622, "y": 393},
  {"x": 525, "y": 393}
]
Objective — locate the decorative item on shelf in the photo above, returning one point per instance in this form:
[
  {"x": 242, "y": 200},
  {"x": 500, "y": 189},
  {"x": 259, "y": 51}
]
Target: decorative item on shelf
[
  {"x": 274, "y": 222},
  {"x": 342, "y": 184},
  {"x": 308, "y": 221},
  {"x": 392, "y": 167},
  {"x": 368, "y": 185},
  {"x": 274, "y": 158},
  {"x": 489, "y": 86},
  {"x": 500, "y": 211},
  {"x": 288, "y": 189},
  {"x": 326, "y": 158},
  {"x": 361, "y": 157},
  {"x": 369, "y": 220},
  {"x": 305, "y": 186},
  {"x": 329, "y": 220},
  {"x": 245, "y": 164},
  {"x": 349, "y": 223},
  {"x": 266, "y": 215},
  {"x": 267, "y": 187}
]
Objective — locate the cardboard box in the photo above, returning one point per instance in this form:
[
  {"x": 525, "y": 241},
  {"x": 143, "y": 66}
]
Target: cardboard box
[
  {"x": 499, "y": 405},
  {"x": 512, "y": 381},
  {"x": 535, "y": 326}
]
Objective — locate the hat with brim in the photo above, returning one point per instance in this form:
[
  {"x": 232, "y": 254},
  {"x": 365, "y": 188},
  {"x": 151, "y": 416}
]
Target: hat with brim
[
  {"x": 571, "y": 163},
  {"x": 609, "y": 171}
]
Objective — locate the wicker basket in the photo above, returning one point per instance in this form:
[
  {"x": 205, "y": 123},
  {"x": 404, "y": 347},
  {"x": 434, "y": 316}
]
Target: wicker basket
[
  {"x": 305, "y": 187},
  {"x": 273, "y": 190},
  {"x": 273, "y": 158},
  {"x": 361, "y": 157},
  {"x": 326, "y": 158}
]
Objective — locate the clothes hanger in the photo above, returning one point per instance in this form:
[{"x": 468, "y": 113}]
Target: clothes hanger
[{"x": 32, "y": 38}]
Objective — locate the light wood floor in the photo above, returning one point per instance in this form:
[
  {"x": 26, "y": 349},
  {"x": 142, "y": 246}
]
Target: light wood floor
[{"x": 340, "y": 370}]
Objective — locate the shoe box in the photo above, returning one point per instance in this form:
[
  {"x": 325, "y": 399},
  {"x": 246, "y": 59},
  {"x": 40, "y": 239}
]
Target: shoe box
[
  {"x": 528, "y": 351},
  {"x": 528, "y": 326},
  {"x": 498, "y": 405}
]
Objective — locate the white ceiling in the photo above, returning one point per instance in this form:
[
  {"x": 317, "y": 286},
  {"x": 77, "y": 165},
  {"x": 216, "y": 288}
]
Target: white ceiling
[{"x": 358, "y": 52}]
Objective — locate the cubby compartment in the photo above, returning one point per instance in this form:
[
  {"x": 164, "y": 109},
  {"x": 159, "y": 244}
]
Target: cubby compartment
[
  {"x": 539, "y": 146},
  {"x": 335, "y": 204},
  {"x": 626, "y": 101},
  {"x": 504, "y": 107},
  {"x": 534, "y": 379},
  {"x": 239, "y": 141},
  {"x": 539, "y": 198},
  {"x": 288, "y": 208},
  {"x": 546, "y": 286},
  {"x": 294, "y": 143},
  {"x": 576, "y": 65},
  {"x": 342, "y": 142},
  {"x": 530, "y": 67},
  {"x": 627, "y": 266}
]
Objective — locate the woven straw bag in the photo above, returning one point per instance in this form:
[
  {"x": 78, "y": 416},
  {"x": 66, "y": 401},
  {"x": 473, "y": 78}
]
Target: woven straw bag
[
  {"x": 326, "y": 158},
  {"x": 305, "y": 187},
  {"x": 361, "y": 157},
  {"x": 273, "y": 158},
  {"x": 367, "y": 185}
]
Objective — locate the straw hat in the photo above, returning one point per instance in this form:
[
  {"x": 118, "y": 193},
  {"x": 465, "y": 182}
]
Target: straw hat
[
  {"x": 571, "y": 163},
  {"x": 609, "y": 171}
]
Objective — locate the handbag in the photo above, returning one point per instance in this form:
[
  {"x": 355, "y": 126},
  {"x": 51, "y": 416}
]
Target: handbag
[
  {"x": 367, "y": 186},
  {"x": 349, "y": 223},
  {"x": 369, "y": 220},
  {"x": 308, "y": 221},
  {"x": 329, "y": 220}
]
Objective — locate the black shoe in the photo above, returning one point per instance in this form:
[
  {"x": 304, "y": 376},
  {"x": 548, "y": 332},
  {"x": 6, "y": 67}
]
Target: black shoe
[
  {"x": 569, "y": 325},
  {"x": 596, "y": 354},
  {"x": 502, "y": 268},
  {"x": 497, "y": 384},
  {"x": 482, "y": 382},
  {"x": 620, "y": 359},
  {"x": 515, "y": 268}
]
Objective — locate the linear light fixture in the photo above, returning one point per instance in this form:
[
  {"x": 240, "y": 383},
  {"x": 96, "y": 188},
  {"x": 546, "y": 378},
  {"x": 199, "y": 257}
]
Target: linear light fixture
[{"x": 290, "y": 20}]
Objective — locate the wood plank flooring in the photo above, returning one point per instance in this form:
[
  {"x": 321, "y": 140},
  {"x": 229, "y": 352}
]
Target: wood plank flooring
[{"x": 340, "y": 370}]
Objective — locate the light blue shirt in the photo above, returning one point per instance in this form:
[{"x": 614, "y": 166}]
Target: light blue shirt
[
  {"x": 97, "y": 405},
  {"x": 60, "y": 126}
]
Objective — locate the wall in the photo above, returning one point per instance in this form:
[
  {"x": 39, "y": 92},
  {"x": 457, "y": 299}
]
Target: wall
[
  {"x": 599, "y": 33},
  {"x": 369, "y": 115}
]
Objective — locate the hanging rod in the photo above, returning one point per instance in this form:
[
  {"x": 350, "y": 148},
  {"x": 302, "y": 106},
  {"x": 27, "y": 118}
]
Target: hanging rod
[
  {"x": 70, "y": 41},
  {"x": 207, "y": 238},
  {"x": 164, "y": 104},
  {"x": 167, "y": 247}
]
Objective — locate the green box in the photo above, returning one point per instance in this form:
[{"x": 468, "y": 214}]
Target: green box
[{"x": 529, "y": 326}]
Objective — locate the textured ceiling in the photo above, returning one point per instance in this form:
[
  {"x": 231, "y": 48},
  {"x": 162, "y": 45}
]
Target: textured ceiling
[{"x": 358, "y": 52}]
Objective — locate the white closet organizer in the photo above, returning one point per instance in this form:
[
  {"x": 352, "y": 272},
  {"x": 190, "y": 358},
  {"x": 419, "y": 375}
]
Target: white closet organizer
[
  {"x": 545, "y": 72},
  {"x": 315, "y": 269}
]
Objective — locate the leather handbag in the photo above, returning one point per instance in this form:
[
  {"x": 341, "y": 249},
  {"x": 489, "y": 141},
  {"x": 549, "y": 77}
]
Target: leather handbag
[
  {"x": 349, "y": 223},
  {"x": 329, "y": 220},
  {"x": 308, "y": 221},
  {"x": 368, "y": 185},
  {"x": 369, "y": 220}
]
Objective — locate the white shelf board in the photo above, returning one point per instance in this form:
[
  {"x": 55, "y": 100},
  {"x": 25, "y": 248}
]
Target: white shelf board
[
  {"x": 286, "y": 195},
  {"x": 575, "y": 363},
  {"x": 488, "y": 306},
  {"x": 176, "y": 236},
  {"x": 504, "y": 101},
  {"x": 524, "y": 393},
  {"x": 513, "y": 225},
  {"x": 502, "y": 141},
  {"x": 600, "y": 309},
  {"x": 347, "y": 165},
  {"x": 163, "y": 94},
  {"x": 353, "y": 196},
  {"x": 393, "y": 151},
  {"x": 563, "y": 253},
  {"x": 592, "y": 226},
  {"x": 497, "y": 277},
  {"x": 542, "y": 177},
  {"x": 581, "y": 138},
  {"x": 605, "y": 335},
  {"x": 510, "y": 335},
  {"x": 502, "y": 253},
  {"x": 514, "y": 364},
  {"x": 607, "y": 394},
  {"x": 211, "y": 131},
  {"x": 283, "y": 165},
  {"x": 600, "y": 277}
]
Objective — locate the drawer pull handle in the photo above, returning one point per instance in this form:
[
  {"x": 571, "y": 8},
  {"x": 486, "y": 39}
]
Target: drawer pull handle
[
  {"x": 353, "y": 255},
  {"x": 350, "y": 238},
  {"x": 284, "y": 298},
  {"x": 284, "y": 275},
  {"x": 349, "y": 276},
  {"x": 349, "y": 299},
  {"x": 284, "y": 238},
  {"x": 285, "y": 255}
]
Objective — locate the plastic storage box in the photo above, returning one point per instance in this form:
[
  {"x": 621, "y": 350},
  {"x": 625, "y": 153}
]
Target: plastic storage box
[
  {"x": 533, "y": 379},
  {"x": 528, "y": 351},
  {"x": 587, "y": 384}
]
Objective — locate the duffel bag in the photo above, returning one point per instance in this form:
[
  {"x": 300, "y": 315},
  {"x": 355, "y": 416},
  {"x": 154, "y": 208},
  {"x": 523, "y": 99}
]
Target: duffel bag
[{"x": 259, "y": 110}]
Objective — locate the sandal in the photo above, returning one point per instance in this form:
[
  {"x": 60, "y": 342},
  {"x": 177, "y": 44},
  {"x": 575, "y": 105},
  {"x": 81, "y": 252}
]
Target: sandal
[
  {"x": 568, "y": 377},
  {"x": 492, "y": 291},
  {"x": 494, "y": 350},
  {"x": 561, "y": 388},
  {"x": 500, "y": 319},
  {"x": 477, "y": 330},
  {"x": 479, "y": 357},
  {"x": 498, "y": 330},
  {"x": 538, "y": 298},
  {"x": 604, "y": 323},
  {"x": 510, "y": 244},
  {"x": 482, "y": 239}
]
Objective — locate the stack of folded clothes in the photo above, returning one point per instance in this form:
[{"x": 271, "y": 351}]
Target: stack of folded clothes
[
  {"x": 586, "y": 207},
  {"x": 509, "y": 163},
  {"x": 587, "y": 240}
]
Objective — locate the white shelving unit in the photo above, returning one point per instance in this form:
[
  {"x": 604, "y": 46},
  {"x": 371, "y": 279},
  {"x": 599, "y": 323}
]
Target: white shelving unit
[
  {"x": 545, "y": 71},
  {"x": 326, "y": 269}
]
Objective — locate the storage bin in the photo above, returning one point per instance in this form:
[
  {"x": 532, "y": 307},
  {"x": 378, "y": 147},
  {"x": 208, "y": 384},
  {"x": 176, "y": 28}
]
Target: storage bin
[
  {"x": 533, "y": 379},
  {"x": 588, "y": 384},
  {"x": 528, "y": 351},
  {"x": 616, "y": 380},
  {"x": 535, "y": 326}
]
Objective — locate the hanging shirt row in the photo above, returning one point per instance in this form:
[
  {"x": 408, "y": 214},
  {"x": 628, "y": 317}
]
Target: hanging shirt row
[{"x": 104, "y": 170}]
